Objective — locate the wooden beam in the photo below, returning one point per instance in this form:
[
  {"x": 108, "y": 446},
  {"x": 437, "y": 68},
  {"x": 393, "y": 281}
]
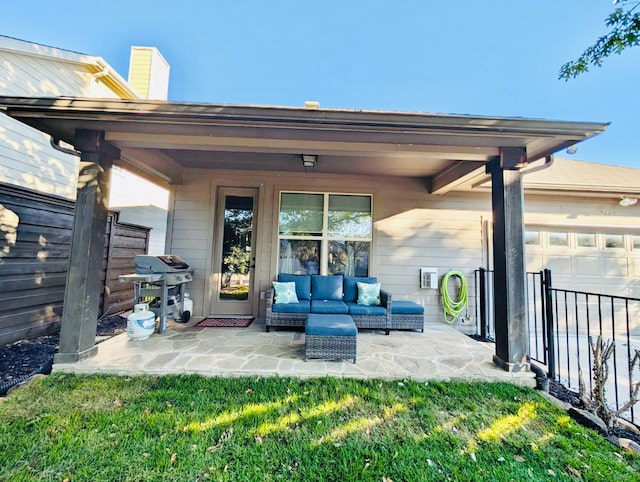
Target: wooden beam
[
  {"x": 82, "y": 293},
  {"x": 513, "y": 157},
  {"x": 153, "y": 165},
  {"x": 297, "y": 146},
  {"x": 511, "y": 329},
  {"x": 456, "y": 174}
]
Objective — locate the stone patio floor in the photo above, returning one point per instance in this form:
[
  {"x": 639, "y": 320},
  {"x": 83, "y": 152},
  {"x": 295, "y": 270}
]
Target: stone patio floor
[{"x": 440, "y": 353}]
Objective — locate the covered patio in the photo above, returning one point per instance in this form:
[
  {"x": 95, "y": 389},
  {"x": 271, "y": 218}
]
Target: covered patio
[
  {"x": 405, "y": 163},
  {"x": 440, "y": 353}
]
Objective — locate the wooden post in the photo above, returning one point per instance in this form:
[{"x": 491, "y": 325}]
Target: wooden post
[
  {"x": 82, "y": 293},
  {"x": 511, "y": 330}
]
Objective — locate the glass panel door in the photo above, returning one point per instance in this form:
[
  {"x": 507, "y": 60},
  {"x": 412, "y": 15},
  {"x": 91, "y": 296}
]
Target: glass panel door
[
  {"x": 235, "y": 258},
  {"x": 236, "y": 248}
]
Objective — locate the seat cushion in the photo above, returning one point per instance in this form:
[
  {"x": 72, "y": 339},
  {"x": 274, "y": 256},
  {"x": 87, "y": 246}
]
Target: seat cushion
[
  {"x": 303, "y": 284},
  {"x": 330, "y": 325},
  {"x": 351, "y": 287},
  {"x": 326, "y": 287},
  {"x": 406, "y": 308},
  {"x": 299, "y": 307},
  {"x": 328, "y": 306},
  {"x": 363, "y": 310}
]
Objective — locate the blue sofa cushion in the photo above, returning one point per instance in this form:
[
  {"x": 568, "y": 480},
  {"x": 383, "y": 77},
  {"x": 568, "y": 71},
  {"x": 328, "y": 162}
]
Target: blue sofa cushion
[
  {"x": 351, "y": 286},
  {"x": 363, "y": 310},
  {"x": 299, "y": 307},
  {"x": 328, "y": 306},
  {"x": 303, "y": 284},
  {"x": 330, "y": 325},
  {"x": 326, "y": 287},
  {"x": 406, "y": 308}
]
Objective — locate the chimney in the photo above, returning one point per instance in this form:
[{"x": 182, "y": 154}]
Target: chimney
[{"x": 149, "y": 73}]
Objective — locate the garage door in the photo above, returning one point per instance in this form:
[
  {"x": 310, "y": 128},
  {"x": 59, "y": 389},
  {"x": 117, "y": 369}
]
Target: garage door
[{"x": 594, "y": 260}]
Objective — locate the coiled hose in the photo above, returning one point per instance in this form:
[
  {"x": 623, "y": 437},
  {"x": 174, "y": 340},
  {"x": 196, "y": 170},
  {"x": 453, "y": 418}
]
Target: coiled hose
[
  {"x": 43, "y": 370},
  {"x": 453, "y": 308}
]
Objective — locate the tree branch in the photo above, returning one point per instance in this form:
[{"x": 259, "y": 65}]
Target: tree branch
[{"x": 624, "y": 33}]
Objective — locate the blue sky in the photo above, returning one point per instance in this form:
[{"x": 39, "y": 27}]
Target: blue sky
[{"x": 495, "y": 58}]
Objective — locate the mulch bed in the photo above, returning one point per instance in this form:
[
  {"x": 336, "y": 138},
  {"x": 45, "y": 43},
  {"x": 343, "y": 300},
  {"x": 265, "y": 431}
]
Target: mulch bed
[{"x": 24, "y": 357}]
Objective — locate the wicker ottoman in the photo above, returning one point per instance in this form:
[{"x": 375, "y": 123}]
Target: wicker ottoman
[
  {"x": 407, "y": 315},
  {"x": 330, "y": 337}
]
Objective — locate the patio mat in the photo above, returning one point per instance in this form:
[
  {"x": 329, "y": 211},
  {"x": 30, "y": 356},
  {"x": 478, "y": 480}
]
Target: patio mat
[{"x": 225, "y": 323}]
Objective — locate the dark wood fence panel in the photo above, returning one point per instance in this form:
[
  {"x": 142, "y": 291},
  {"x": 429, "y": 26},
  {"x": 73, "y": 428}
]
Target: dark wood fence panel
[
  {"x": 124, "y": 241},
  {"x": 35, "y": 242}
]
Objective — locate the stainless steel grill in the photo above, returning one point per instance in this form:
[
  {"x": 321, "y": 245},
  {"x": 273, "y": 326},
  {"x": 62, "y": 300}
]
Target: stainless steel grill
[{"x": 160, "y": 279}]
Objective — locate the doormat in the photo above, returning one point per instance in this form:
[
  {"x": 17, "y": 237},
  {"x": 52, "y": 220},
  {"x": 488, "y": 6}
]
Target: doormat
[{"x": 224, "y": 323}]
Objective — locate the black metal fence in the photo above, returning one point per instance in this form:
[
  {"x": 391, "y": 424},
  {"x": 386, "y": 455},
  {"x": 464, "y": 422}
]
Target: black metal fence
[{"x": 561, "y": 324}]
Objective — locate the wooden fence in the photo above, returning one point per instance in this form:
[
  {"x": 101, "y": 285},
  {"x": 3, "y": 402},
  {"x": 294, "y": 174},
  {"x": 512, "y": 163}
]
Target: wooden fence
[{"x": 35, "y": 242}]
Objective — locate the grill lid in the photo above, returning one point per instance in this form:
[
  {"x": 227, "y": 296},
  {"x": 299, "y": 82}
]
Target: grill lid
[{"x": 165, "y": 263}]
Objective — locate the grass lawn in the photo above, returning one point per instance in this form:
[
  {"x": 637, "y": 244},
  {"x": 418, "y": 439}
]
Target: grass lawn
[{"x": 190, "y": 428}]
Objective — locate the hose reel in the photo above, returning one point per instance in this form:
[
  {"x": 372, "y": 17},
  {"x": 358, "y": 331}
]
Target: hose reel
[{"x": 453, "y": 308}]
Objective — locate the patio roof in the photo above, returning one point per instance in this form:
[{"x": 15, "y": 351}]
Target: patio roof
[{"x": 160, "y": 139}]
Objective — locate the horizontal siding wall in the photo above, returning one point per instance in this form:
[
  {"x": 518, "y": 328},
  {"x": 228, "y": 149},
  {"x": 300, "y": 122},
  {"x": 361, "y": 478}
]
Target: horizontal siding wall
[
  {"x": 412, "y": 229},
  {"x": 26, "y": 157},
  {"x": 28, "y": 160},
  {"x": 35, "y": 242}
]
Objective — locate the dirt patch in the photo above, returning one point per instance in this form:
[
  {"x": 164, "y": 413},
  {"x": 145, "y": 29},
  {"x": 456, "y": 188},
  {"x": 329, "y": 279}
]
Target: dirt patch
[{"x": 24, "y": 357}]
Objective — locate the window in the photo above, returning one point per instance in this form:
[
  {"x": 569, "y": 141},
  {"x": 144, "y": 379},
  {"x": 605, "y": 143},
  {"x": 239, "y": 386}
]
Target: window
[
  {"x": 532, "y": 237},
  {"x": 614, "y": 240},
  {"x": 636, "y": 241},
  {"x": 324, "y": 233},
  {"x": 586, "y": 240},
  {"x": 558, "y": 239}
]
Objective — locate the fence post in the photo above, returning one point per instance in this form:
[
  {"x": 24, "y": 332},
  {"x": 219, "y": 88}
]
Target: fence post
[
  {"x": 548, "y": 315},
  {"x": 483, "y": 303}
]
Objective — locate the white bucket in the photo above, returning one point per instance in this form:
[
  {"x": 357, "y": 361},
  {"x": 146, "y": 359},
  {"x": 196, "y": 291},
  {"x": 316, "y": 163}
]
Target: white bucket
[{"x": 141, "y": 323}]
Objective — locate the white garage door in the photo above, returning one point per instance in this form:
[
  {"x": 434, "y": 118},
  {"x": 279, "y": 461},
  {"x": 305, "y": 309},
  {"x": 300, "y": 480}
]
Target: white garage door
[{"x": 594, "y": 260}]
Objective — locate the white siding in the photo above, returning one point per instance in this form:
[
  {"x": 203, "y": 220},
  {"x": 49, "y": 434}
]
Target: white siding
[
  {"x": 28, "y": 160},
  {"x": 411, "y": 229},
  {"x": 26, "y": 157},
  {"x": 140, "y": 202}
]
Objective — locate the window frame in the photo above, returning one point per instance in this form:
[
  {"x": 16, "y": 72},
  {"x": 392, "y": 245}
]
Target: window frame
[{"x": 324, "y": 237}]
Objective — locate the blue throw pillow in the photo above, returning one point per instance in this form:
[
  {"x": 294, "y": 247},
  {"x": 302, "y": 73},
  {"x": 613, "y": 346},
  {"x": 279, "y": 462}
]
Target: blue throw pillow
[
  {"x": 369, "y": 294},
  {"x": 285, "y": 292},
  {"x": 303, "y": 284}
]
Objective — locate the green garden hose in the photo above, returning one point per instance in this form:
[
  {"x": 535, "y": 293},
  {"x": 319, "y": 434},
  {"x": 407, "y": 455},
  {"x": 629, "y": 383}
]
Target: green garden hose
[{"x": 451, "y": 307}]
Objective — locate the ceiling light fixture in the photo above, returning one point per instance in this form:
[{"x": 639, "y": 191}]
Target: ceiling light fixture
[
  {"x": 572, "y": 149},
  {"x": 628, "y": 201},
  {"x": 309, "y": 160}
]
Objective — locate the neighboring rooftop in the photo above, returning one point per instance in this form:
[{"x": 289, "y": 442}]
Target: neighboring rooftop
[{"x": 583, "y": 176}]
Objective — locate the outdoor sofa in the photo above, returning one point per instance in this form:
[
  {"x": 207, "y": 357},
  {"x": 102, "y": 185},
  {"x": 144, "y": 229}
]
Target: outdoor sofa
[{"x": 328, "y": 295}]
